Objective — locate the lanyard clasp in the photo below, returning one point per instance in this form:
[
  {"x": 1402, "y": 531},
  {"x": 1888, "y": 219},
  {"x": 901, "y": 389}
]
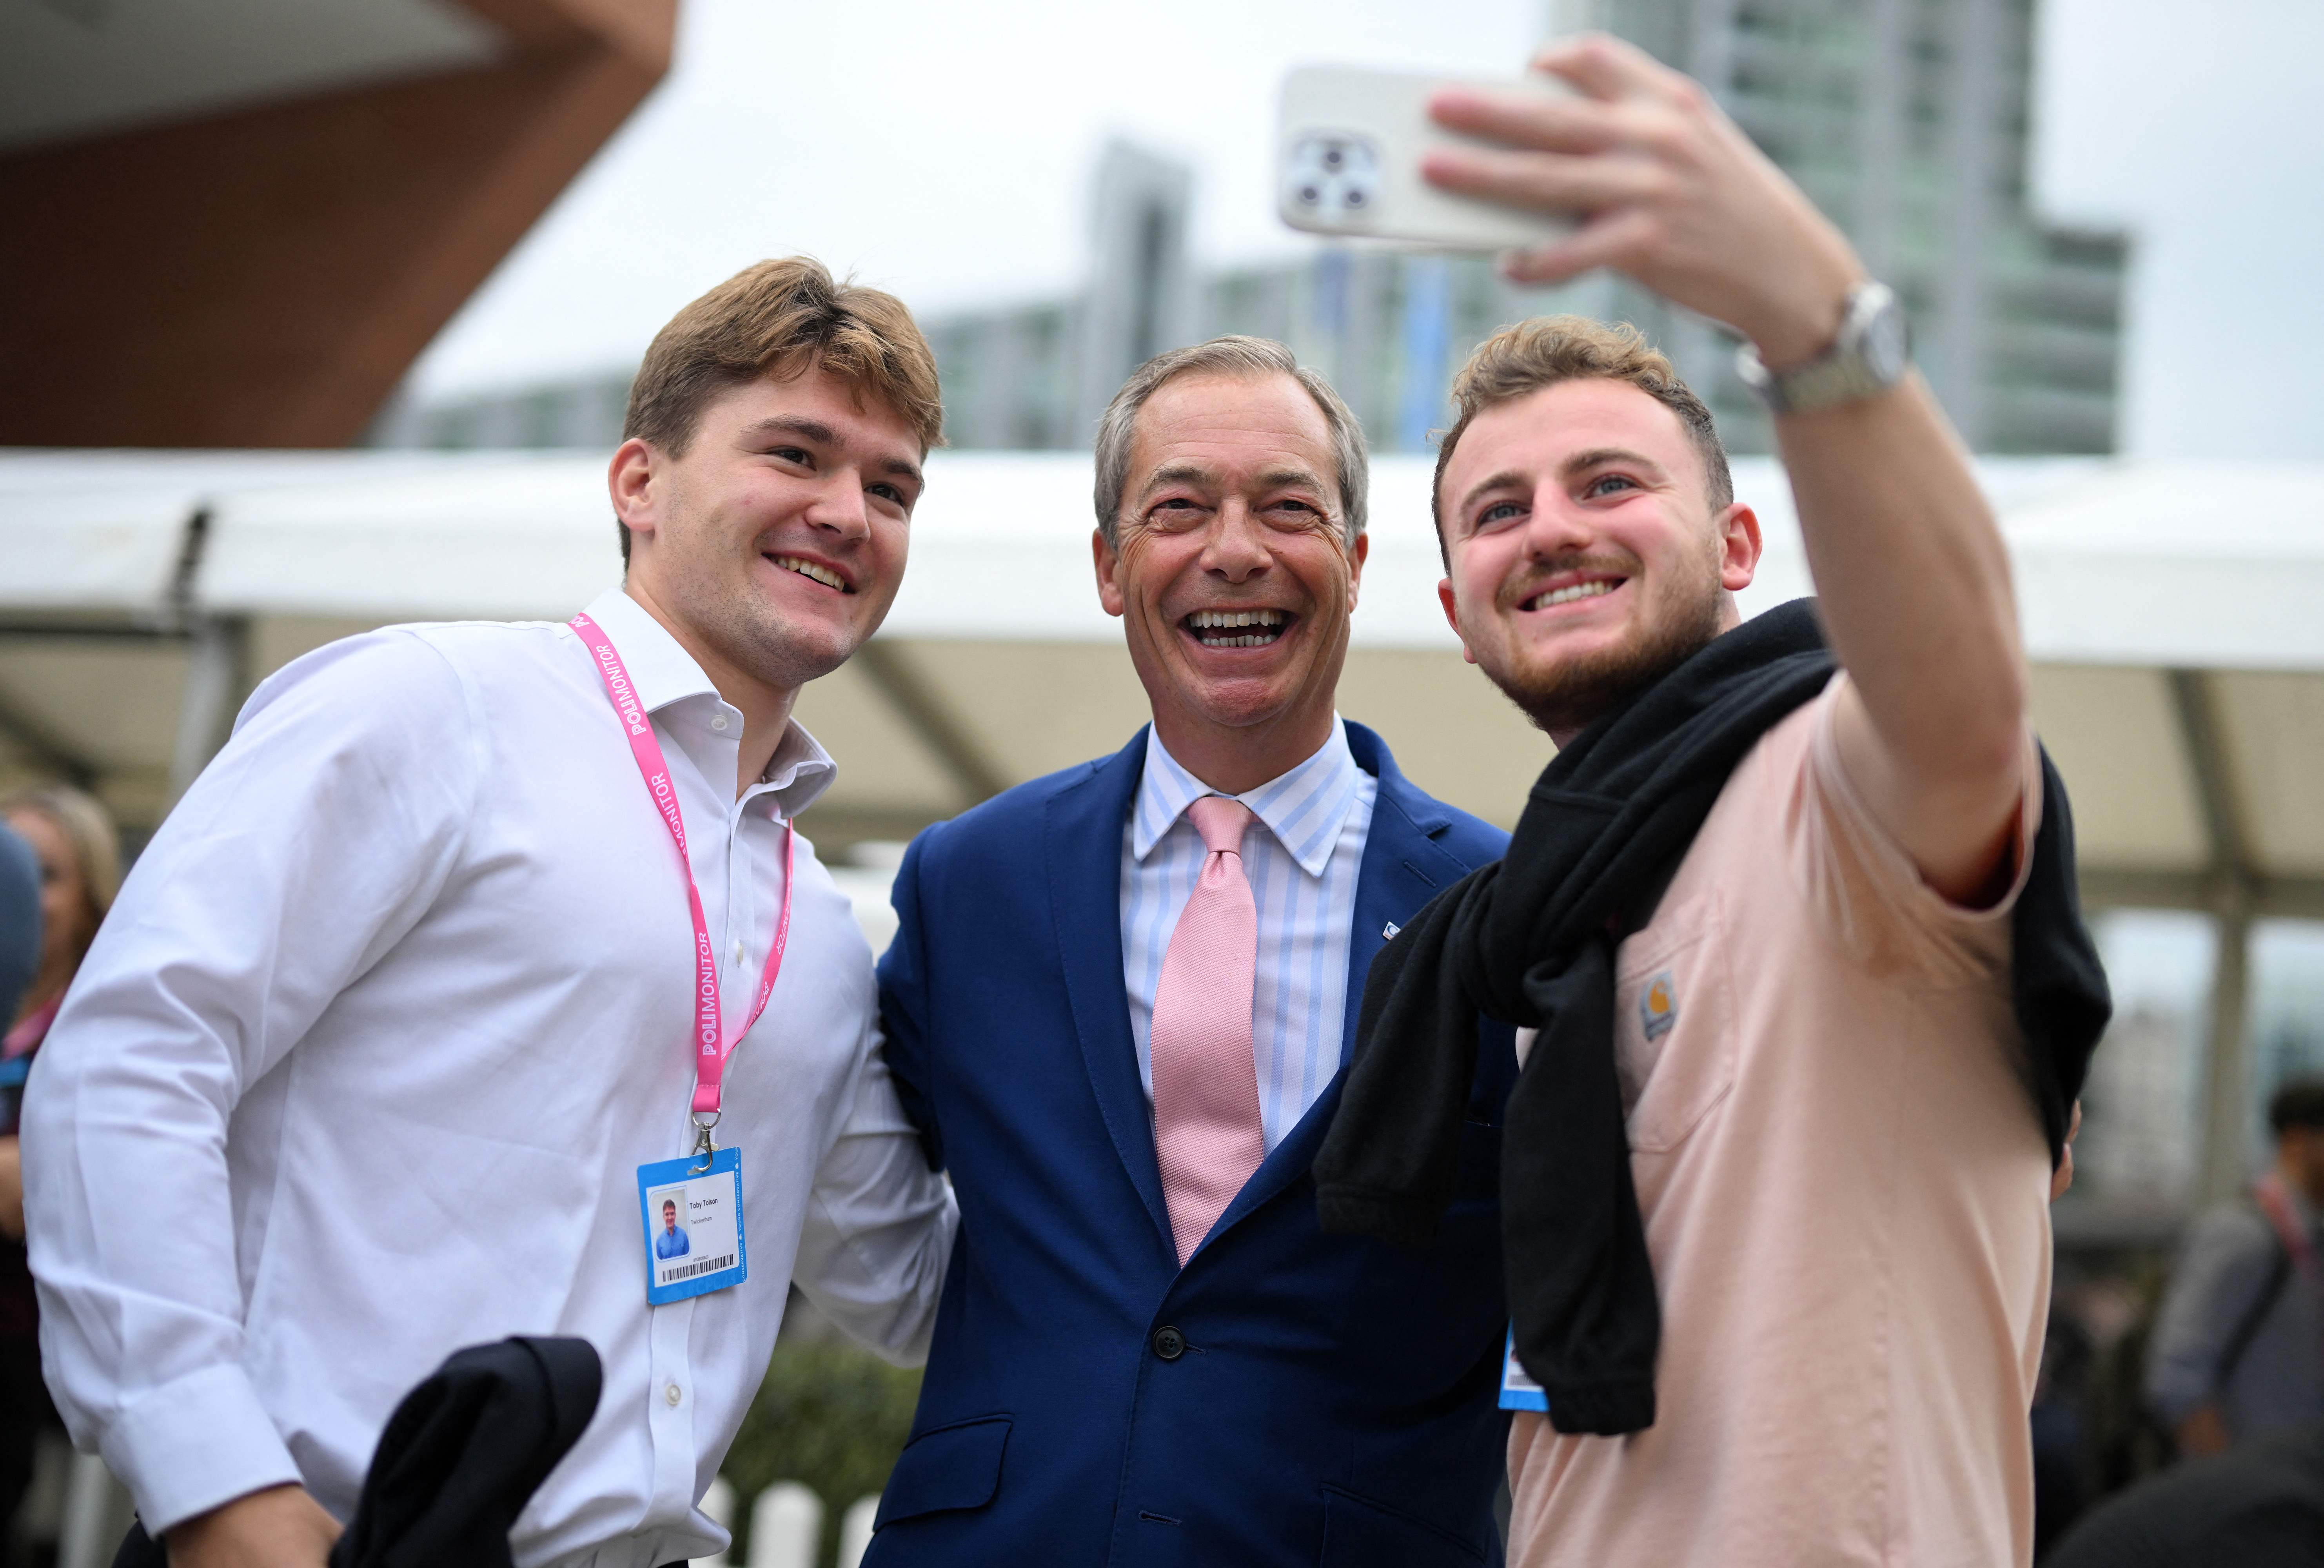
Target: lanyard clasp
[{"x": 703, "y": 1146}]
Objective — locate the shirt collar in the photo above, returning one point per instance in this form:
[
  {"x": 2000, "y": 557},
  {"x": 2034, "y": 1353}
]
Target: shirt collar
[
  {"x": 799, "y": 771},
  {"x": 1305, "y": 808},
  {"x": 662, "y": 673}
]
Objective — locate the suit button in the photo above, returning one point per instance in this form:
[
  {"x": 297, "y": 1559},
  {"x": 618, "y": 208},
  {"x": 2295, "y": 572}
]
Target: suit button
[{"x": 1169, "y": 1344}]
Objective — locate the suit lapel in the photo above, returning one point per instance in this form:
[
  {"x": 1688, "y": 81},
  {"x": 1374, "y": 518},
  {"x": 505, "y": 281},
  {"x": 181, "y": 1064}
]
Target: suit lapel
[
  {"x": 1084, "y": 851},
  {"x": 1403, "y": 869}
]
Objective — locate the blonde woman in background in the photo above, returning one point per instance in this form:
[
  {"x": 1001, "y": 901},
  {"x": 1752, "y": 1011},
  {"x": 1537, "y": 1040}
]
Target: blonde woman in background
[{"x": 80, "y": 852}]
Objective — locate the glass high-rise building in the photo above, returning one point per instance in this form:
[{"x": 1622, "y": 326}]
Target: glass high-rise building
[
  {"x": 1908, "y": 122},
  {"x": 1904, "y": 120}
]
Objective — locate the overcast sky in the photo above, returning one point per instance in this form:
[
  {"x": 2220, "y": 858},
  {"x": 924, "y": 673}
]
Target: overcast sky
[{"x": 945, "y": 151}]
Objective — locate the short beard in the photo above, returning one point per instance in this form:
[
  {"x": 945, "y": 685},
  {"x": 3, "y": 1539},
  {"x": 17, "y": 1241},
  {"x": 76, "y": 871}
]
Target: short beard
[
  {"x": 1576, "y": 693},
  {"x": 744, "y": 633}
]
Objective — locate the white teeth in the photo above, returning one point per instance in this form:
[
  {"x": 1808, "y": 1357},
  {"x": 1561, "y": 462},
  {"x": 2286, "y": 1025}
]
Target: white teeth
[
  {"x": 1265, "y": 626},
  {"x": 1202, "y": 619},
  {"x": 1567, "y": 596},
  {"x": 823, "y": 575}
]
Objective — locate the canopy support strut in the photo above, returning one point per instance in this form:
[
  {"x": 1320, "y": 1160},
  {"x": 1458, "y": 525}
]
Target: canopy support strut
[
  {"x": 2231, "y": 896},
  {"x": 45, "y": 748},
  {"x": 214, "y": 676},
  {"x": 890, "y": 669}
]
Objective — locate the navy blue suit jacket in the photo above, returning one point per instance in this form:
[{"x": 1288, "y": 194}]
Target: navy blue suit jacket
[{"x": 1288, "y": 1398}]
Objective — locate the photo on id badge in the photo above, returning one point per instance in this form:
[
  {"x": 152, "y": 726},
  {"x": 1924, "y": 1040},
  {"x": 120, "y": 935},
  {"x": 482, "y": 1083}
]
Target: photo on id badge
[{"x": 693, "y": 1226}]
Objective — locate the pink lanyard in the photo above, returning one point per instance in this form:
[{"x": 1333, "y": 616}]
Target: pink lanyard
[
  {"x": 31, "y": 1031},
  {"x": 712, "y": 1044},
  {"x": 2276, "y": 1204}
]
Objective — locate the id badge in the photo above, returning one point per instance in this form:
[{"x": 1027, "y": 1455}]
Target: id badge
[
  {"x": 693, "y": 1225},
  {"x": 1518, "y": 1390}
]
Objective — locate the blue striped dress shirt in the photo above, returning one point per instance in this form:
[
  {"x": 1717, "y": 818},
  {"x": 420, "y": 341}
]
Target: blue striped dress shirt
[{"x": 1303, "y": 857}]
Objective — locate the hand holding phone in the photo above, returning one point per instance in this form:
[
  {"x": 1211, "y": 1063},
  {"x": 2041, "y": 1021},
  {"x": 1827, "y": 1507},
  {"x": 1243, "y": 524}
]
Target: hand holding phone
[
  {"x": 1351, "y": 143},
  {"x": 1674, "y": 195}
]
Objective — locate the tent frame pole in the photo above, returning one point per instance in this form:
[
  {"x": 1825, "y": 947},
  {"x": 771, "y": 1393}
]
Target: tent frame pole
[
  {"x": 891, "y": 670},
  {"x": 216, "y": 676},
  {"x": 2231, "y": 897}
]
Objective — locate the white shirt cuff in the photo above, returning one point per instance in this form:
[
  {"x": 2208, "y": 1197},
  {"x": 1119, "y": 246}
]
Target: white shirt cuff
[{"x": 192, "y": 1444}]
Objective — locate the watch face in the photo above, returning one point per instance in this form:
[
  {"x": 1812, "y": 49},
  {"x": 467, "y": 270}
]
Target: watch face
[{"x": 1885, "y": 347}]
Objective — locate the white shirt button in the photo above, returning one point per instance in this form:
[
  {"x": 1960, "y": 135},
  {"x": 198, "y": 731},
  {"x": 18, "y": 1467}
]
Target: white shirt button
[
  {"x": 673, "y": 1394},
  {"x": 738, "y": 955},
  {"x": 718, "y": 723}
]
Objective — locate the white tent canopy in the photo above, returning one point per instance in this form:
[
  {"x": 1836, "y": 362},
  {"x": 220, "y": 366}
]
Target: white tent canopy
[
  {"x": 2174, "y": 613},
  {"x": 2125, "y": 572},
  {"x": 2206, "y": 566}
]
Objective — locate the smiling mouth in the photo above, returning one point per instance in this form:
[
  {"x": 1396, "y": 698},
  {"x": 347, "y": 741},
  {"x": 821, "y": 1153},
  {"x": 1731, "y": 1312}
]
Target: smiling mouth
[
  {"x": 1572, "y": 592},
  {"x": 1238, "y": 628},
  {"x": 814, "y": 573}
]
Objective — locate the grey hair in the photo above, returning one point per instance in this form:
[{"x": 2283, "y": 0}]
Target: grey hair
[{"x": 1237, "y": 356}]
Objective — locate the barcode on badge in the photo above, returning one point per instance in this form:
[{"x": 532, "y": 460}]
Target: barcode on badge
[{"x": 676, "y": 1272}]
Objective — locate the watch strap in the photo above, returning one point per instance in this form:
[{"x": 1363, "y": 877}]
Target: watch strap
[{"x": 1843, "y": 374}]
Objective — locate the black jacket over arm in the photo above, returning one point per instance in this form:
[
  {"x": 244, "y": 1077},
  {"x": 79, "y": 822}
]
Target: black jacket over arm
[{"x": 1531, "y": 940}]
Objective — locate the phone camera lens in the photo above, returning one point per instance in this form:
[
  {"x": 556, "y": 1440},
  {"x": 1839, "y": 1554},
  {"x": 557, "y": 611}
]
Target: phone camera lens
[
  {"x": 1334, "y": 158},
  {"x": 1309, "y": 196},
  {"x": 1355, "y": 198}
]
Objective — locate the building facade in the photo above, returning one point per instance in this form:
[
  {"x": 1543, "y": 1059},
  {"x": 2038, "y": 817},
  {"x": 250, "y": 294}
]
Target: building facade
[
  {"x": 236, "y": 224},
  {"x": 1908, "y": 122},
  {"x": 1905, "y": 120}
]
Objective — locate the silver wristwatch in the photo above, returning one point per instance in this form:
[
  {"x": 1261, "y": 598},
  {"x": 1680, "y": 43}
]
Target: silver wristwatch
[{"x": 1870, "y": 355}]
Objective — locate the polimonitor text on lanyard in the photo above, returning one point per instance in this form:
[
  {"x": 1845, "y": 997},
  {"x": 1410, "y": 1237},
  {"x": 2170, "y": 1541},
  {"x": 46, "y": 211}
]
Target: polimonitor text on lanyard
[{"x": 692, "y": 1206}]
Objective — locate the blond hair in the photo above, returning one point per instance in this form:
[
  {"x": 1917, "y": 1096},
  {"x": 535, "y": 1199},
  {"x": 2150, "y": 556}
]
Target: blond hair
[
  {"x": 89, "y": 831},
  {"x": 777, "y": 320},
  {"x": 1523, "y": 359}
]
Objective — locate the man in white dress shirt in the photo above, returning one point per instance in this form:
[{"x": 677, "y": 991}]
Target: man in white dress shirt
[{"x": 419, "y": 942}]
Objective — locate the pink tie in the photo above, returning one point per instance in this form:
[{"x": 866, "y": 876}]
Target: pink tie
[{"x": 1206, "y": 1125}]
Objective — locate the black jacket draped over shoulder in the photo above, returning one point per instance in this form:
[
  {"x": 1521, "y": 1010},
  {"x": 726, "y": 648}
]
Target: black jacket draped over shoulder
[{"x": 1530, "y": 940}]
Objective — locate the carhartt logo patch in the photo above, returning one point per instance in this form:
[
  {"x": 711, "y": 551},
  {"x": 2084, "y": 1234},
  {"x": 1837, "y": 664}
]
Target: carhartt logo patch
[{"x": 1658, "y": 1005}]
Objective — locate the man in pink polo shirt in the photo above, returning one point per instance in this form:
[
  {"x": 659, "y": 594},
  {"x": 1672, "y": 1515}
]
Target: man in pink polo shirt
[{"x": 1793, "y": 911}]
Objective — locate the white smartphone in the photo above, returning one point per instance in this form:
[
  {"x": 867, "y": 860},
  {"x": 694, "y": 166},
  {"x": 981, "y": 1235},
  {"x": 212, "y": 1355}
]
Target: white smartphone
[{"x": 1348, "y": 144}]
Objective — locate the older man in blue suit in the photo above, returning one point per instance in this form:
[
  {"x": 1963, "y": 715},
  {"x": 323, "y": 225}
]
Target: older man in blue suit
[{"x": 1119, "y": 1007}]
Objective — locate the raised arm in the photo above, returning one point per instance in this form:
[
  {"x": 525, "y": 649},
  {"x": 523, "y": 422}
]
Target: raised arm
[{"x": 1910, "y": 569}]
